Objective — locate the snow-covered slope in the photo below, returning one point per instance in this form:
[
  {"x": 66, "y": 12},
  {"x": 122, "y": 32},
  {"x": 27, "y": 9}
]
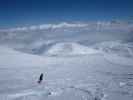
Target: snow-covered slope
[
  {"x": 118, "y": 52},
  {"x": 77, "y": 71},
  {"x": 69, "y": 48},
  {"x": 86, "y": 77},
  {"x": 119, "y": 48},
  {"x": 10, "y": 58}
]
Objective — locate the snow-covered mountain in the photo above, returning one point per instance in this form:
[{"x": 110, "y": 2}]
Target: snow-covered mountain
[
  {"x": 38, "y": 38},
  {"x": 80, "y": 61},
  {"x": 69, "y": 48}
]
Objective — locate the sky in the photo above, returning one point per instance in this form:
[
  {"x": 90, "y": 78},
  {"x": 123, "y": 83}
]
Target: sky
[{"x": 31, "y": 12}]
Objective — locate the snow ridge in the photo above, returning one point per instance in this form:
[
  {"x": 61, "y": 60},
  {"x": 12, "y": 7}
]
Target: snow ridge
[{"x": 70, "y": 48}]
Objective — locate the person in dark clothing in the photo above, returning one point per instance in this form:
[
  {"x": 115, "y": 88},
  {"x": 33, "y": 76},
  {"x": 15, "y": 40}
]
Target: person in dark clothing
[{"x": 40, "y": 78}]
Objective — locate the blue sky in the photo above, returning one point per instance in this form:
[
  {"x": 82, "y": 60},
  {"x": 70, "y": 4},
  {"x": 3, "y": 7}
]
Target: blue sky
[{"x": 28, "y": 12}]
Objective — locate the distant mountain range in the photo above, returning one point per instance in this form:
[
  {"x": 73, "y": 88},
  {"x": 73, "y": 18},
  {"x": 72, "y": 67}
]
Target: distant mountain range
[{"x": 37, "y": 39}]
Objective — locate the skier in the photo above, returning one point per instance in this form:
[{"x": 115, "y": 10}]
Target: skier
[{"x": 40, "y": 78}]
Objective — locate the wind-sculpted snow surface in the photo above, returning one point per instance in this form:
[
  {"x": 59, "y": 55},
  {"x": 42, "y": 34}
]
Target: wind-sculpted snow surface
[
  {"x": 79, "y": 77},
  {"x": 119, "y": 48},
  {"x": 118, "y": 52}
]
